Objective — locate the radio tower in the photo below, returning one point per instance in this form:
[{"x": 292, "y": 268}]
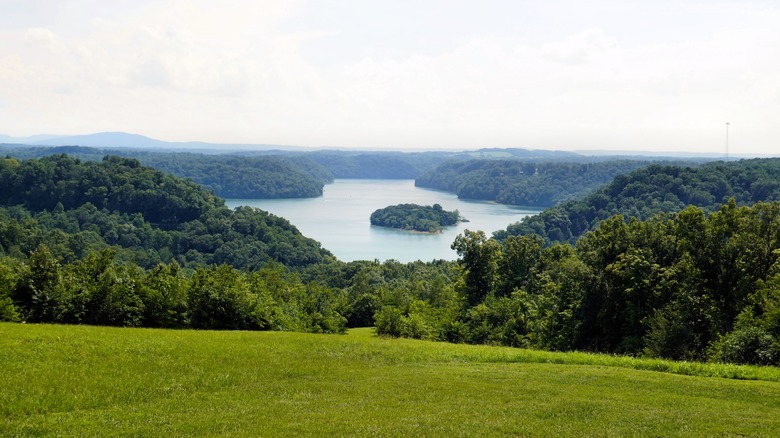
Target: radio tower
[{"x": 727, "y": 141}]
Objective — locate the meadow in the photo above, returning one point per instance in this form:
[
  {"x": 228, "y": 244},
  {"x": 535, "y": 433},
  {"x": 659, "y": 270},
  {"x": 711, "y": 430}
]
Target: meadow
[{"x": 100, "y": 381}]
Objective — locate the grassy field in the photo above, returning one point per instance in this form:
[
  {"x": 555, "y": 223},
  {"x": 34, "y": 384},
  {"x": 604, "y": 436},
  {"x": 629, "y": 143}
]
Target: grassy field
[{"x": 96, "y": 381}]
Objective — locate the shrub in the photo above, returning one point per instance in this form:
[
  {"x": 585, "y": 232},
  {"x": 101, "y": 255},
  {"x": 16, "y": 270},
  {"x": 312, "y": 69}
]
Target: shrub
[
  {"x": 388, "y": 321},
  {"x": 751, "y": 345}
]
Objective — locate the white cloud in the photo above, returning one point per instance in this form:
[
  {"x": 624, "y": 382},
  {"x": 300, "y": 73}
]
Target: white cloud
[
  {"x": 254, "y": 71},
  {"x": 150, "y": 73},
  {"x": 41, "y": 37},
  {"x": 578, "y": 48}
]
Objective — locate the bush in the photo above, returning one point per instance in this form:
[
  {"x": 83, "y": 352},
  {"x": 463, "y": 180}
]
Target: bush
[
  {"x": 8, "y": 312},
  {"x": 388, "y": 321},
  {"x": 361, "y": 313},
  {"x": 751, "y": 345},
  {"x": 415, "y": 326},
  {"x": 219, "y": 299}
]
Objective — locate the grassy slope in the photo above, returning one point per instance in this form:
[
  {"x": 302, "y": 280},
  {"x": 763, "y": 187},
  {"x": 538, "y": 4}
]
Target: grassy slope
[{"x": 86, "y": 381}]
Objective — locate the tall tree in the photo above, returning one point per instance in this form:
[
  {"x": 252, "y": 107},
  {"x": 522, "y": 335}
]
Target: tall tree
[{"x": 480, "y": 259}]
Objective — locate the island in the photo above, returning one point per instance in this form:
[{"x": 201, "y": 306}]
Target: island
[{"x": 413, "y": 217}]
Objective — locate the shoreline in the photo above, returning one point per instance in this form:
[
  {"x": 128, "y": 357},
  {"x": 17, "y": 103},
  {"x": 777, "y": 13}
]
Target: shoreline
[{"x": 438, "y": 231}]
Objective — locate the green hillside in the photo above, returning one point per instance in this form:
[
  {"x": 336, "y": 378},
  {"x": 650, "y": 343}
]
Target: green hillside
[
  {"x": 228, "y": 176},
  {"x": 527, "y": 183},
  {"x": 75, "y": 207},
  {"x": 656, "y": 189},
  {"x": 90, "y": 381}
]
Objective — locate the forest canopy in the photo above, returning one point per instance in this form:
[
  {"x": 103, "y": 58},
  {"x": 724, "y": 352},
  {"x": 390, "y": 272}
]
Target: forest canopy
[
  {"x": 81, "y": 243},
  {"x": 526, "y": 183},
  {"x": 149, "y": 216},
  {"x": 656, "y": 189},
  {"x": 228, "y": 176}
]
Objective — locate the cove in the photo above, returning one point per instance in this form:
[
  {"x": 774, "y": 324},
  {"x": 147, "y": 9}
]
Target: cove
[{"x": 339, "y": 219}]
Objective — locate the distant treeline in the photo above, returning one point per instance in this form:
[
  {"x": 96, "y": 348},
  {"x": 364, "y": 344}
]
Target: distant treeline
[
  {"x": 260, "y": 175},
  {"x": 228, "y": 176},
  {"x": 531, "y": 184},
  {"x": 656, "y": 189},
  {"x": 284, "y": 174}
]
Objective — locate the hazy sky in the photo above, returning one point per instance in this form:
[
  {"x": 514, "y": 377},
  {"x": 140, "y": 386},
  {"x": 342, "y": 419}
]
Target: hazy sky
[{"x": 621, "y": 75}]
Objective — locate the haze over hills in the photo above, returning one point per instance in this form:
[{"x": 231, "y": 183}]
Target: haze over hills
[
  {"x": 25, "y": 140},
  {"x": 681, "y": 154},
  {"x": 128, "y": 140},
  {"x": 137, "y": 141}
]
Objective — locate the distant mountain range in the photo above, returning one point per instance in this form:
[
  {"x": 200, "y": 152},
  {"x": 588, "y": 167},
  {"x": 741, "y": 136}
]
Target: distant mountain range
[
  {"x": 136, "y": 141},
  {"x": 126, "y": 140},
  {"x": 25, "y": 140}
]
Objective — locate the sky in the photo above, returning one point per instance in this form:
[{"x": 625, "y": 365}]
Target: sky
[{"x": 426, "y": 74}]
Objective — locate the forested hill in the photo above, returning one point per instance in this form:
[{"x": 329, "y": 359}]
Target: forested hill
[
  {"x": 263, "y": 174},
  {"x": 413, "y": 165},
  {"x": 149, "y": 216},
  {"x": 686, "y": 285},
  {"x": 116, "y": 184},
  {"x": 229, "y": 176},
  {"x": 655, "y": 189},
  {"x": 503, "y": 175},
  {"x": 377, "y": 165},
  {"x": 81, "y": 243},
  {"x": 532, "y": 184}
]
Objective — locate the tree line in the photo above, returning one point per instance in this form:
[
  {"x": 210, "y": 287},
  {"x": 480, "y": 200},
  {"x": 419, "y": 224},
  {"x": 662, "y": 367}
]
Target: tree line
[
  {"x": 654, "y": 189},
  {"x": 231, "y": 176},
  {"x": 286, "y": 174},
  {"x": 227, "y": 175},
  {"x": 79, "y": 244},
  {"x": 148, "y": 216},
  {"x": 526, "y": 183},
  {"x": 101, "y": 290},
  {"x": 685, "y": 285}
]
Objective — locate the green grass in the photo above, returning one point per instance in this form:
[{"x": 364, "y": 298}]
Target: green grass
[{"x": 97, "y": 381}]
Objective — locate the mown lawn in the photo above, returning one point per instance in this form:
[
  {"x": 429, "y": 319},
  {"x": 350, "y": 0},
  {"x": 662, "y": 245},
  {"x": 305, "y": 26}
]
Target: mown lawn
[{"x": 97, "y": 381}]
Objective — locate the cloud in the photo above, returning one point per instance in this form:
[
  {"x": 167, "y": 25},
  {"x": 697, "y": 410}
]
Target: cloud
[
  {"x": 41, "y": 37},
  {"x": 256, "y": 71},
  {"x": 150, "y": 73},
  {"x": 578, "y": 48}
]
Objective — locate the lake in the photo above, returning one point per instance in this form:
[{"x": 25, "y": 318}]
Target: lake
[{"x": 340, "y": 219}]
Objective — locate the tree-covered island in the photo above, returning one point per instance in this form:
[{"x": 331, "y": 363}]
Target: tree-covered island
[{"x": 413, "y": 217}]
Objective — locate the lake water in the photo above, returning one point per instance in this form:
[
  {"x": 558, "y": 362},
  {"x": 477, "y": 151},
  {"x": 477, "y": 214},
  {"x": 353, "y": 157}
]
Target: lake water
[{"x": 340, "y": 219}]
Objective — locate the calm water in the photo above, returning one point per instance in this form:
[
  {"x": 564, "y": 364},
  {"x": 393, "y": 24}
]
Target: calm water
[{"x": 340, "y": 219}]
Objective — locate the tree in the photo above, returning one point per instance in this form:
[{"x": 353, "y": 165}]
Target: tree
[
  {"x": 219, "y": 299},
  {"x": 37, "y": 290},
  {"x": 521, "y": 257},
  {"x": 480, "y": 258},
  {"x": 163, "y": 291},
  {"x": 101, "y": 291},
  {"x": 9, "y": 277}
]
